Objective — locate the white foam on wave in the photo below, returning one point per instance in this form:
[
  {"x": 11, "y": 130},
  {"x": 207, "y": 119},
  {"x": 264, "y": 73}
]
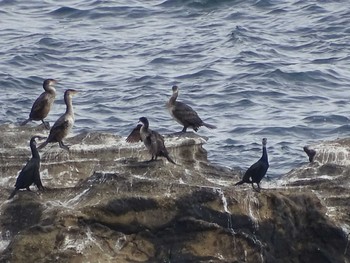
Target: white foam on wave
[
  {"x": 5, "y": 239},
  {"x": 332, "y": 153}
]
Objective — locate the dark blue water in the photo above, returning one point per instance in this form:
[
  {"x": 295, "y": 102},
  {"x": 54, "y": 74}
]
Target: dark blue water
[{"x": 275, "y": 69}]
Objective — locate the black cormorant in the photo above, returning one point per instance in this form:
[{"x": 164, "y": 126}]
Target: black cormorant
[
  {"x": 42, "y": 105},
  {"x": 184, "y": 114},
  {"x": 30, "y": 173},
  {"x": 64, "y": 124},
  {"x": 153, "y": 141},
  {"x": 257, "y": 171},
  {"x": 311, "y": 153}
]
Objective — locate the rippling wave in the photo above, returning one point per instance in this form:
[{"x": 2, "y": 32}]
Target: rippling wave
[{"x": 262, "y": 68}]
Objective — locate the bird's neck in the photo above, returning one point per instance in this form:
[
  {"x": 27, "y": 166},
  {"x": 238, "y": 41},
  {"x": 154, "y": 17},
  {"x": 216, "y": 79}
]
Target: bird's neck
[
  {"x": 144, "y": 128},
  {"x": 264, "y": 155},
  {"x": 173, "y": 98},
  {"x": 69, "y": 105},
  {"x": 35, "y": 153},
  {"x": 50, "y": 89}
]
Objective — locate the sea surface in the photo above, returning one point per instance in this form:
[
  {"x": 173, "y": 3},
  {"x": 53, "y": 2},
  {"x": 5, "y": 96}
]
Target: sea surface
[{"x": 262, "y": 68}]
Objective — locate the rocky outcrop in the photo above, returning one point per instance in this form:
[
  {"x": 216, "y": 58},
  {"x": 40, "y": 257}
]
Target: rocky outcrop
[{"x": 103, "y": 203}]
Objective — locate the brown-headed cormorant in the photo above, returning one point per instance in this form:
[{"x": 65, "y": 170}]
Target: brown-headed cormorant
[
  {"x": 30, "y": 173},
  {"x": 64, "y": 124},
  {"x": 153, "y": 141},
  {"x": 184, "y": 114},
  {"x": 42, "y": 105},
  {"x": 257, "y": 171}
]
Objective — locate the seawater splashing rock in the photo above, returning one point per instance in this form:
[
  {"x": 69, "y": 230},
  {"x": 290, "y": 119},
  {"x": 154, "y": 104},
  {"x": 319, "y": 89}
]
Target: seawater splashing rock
[{"x": 104, "y": 204}]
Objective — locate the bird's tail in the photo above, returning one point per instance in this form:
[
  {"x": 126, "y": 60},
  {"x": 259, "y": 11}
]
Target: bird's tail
[
  {"x": 166, "y": 155},
  {"x": 25, "y": 122},
  {"x": 169, "y": 159},
  {"x": 209, "y": 125},
  {"x": 240, "y": 182},
  {"x": 39, "y": 184},
  {"x": 12, "y": 194},
  {"x": 42, "y": 145}
]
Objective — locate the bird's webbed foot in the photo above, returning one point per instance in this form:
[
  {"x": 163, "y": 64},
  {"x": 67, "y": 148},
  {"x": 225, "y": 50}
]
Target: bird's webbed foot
[
  {"x": 46, "y": 124},
  {"x": 63, "y": 146},
  {"x": 256, "y": 189}
]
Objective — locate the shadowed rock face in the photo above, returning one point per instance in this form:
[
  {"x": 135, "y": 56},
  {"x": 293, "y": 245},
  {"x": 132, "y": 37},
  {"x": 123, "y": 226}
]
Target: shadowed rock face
[{"x": 103, "y": 204}]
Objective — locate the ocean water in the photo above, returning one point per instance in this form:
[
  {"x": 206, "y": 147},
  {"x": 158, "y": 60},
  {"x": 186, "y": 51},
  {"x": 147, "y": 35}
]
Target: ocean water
[{"x": 262, "y": 68}]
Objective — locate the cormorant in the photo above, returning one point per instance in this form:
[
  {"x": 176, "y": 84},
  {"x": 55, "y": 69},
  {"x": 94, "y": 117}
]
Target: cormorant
[
  {"x": 153, "y": 141},
  {"x": 184, "y": 114},
  {"x": 257, "y": 171},
  {"x": 64, "y": 124},
  {"x": 310, "y": 152},
  {"x": 42, "y": 105},
  {"x": 30, "y": 173}
]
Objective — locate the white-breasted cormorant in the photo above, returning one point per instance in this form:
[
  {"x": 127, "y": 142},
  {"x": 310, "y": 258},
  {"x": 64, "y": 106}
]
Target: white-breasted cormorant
[
  {"x": 42, "y": 105},
  {"x": 64, "y": 124},
  {"x": 257, "y": 171},
  {"x": 153, "y": 141},
  {"x": 184, "y": 114},
  {"x": 30, "y": 173}
]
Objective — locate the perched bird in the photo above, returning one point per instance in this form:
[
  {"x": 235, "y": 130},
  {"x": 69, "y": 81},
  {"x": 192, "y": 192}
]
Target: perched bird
[
  {"x": 310, "y": 152},
  {"x": 64, "y": 124},
  {"x": 184, "y": 114},
  {"x": 30, "y": 173},
  {"x": 257, "y": 171},
  {"x": 42, "y": 105},
  {"x": 153, "y": 141}
]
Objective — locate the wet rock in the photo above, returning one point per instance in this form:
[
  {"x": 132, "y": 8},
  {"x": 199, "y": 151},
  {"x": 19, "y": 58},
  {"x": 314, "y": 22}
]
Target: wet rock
[{"x": 104, "y": 203}]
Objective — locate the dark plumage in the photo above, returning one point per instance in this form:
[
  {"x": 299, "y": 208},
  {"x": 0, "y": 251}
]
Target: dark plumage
[
  {"x": 134, "y": 135},
  {"x": 310, "y": 153},
  {"x": 153, "y": 141},
  {"x": 64, "y": 124},
  {"x": 42, "y": 105},
  {"x": 184, "y": 114},
  {"x": 30, "y": 173},
  {"x": 257, "y": 171}
]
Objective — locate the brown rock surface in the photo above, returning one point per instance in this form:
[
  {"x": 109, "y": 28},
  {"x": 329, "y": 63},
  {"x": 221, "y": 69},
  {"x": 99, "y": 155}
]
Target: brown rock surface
[{"x": 103, "y": 204}]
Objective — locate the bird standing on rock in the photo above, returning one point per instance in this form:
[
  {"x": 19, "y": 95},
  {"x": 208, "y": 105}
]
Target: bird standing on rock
[
  {"x": 184, "y": 114},
  {"x": 30, "y": 173},
  {"x": 42, "y": 105},
  {"x": 153, "y": 141},
  {"x": 258, "y": 170},
  {"x": 64, "y": 124}
]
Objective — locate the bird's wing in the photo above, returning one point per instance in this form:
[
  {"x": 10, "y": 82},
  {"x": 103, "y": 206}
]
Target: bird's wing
[
  {"x": 185, "y": 113},
  {"x": 160, "y": 142},
  {"x": 156, "y": 142},
  {"x": 27, "y": 172},
  {"x": 252, "y": 170},
  {"x": 40, "y": 103},
  {"x": 29, "y": 167},
  {"x": 37, "y": 180},
  {"x": 134, "y": 135},
  {"x": 60, "y": 125}
]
